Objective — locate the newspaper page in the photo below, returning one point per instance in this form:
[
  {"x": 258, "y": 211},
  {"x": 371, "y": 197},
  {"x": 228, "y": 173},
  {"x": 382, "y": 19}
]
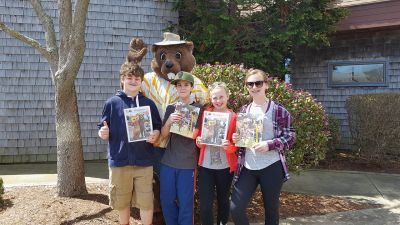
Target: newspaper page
[
  {"x": 214, "y": 128},
  {"x": 250, "y": 127},
  {"x": 138, "y": 123},
  {"x": 189, "y": 119}
]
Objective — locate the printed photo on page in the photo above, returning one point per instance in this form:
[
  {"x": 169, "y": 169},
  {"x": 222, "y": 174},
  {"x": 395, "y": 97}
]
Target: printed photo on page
[
  {"x": 215, "y": 128},
  {"x": 250, "y": 127},
  {"x": 189, "y": 119},
  {"x": 138, "y": 123}
]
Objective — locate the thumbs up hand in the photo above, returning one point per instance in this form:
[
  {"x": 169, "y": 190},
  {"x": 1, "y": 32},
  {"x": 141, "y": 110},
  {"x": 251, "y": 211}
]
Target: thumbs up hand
[{"x": 104, "y": 132}]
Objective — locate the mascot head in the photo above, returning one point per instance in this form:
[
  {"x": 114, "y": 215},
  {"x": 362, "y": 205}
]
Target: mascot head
[{"x": 171, "y": 56}]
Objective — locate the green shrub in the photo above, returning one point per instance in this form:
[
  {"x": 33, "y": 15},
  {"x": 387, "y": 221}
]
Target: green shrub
[
  {"x": 334, "y": 131},
  {"x": 1, "y": 191},
  {"x": 309, "y": 118},
  {"x": 375, "y": 125}
]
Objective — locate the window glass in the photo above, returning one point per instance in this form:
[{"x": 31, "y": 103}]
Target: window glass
[{"x": 357, "y": 74}]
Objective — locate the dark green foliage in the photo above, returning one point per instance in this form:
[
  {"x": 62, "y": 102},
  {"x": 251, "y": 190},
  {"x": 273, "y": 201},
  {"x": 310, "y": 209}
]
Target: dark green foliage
[
  {"x": 260, "y": 34},
  {"x": 309, "y": 118},
  {"x": 374, "y": 121},
  {"x": 1, "y": 192},
  {"x": 334, "y": 133}
]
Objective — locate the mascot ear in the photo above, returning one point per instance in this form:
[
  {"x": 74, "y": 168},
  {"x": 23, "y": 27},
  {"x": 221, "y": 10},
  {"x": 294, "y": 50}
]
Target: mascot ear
[
  {"x": 190, "y": 46},
  {"x": 137, "y": 50}
]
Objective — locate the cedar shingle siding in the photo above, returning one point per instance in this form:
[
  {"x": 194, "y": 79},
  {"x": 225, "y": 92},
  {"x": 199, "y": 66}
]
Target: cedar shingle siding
[
  {"x": 27, "y": 129},
  {"x": 310, "y": 69}
]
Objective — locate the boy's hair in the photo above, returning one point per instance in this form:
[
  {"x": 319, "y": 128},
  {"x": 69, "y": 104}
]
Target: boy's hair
[
  {"x": 130, "y": 69},
  {"x": 219, "y": 85}
]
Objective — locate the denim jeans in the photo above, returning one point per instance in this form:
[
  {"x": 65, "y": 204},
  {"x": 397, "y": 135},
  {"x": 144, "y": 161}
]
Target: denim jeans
[{"x": 270, "y": 180}]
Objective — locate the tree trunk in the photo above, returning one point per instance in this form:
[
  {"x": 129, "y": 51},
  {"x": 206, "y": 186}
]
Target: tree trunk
[{"x": 70, "y": 164}]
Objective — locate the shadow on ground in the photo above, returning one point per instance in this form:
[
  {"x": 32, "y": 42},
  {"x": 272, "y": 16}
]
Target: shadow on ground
[{"x": 87, "y": 217}]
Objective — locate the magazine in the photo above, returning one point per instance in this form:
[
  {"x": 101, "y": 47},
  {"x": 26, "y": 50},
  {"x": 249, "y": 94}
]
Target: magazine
[
  {"x": 189, "y": 119},
  {"x": 250, "y": 127},
  {"x": 215, "y": 128},
  {"x": 138, "y": 123}
]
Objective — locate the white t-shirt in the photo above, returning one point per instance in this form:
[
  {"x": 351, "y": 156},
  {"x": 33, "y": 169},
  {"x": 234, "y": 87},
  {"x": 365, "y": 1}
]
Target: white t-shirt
[{"x": 255, "y": 160}]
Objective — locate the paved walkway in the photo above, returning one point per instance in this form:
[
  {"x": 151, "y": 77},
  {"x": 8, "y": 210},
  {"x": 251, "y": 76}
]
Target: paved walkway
[
  {"x": 376, "y": 187},
  {"x": 46, "y": 174}
]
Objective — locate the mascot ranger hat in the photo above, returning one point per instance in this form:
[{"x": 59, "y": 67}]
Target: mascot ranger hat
[
  {"x": 170, "y": 39},
  {"x": 182, "y": 75}
]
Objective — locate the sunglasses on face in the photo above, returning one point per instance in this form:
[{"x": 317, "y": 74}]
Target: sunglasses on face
[{"x": 257, "y": 83}]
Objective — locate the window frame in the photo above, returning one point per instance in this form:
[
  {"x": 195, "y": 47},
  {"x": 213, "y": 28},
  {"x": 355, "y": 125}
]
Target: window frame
[{"x": 349, "y": 63}]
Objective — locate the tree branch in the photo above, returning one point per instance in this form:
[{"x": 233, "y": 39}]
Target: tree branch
[
  {"x": 27, "y": 40},
  {"x": 79, "y": 21},
  {"x": 47, "y": 23},
  {"x": 65, "y": 20},
  {"x": 77, "y": 43}
]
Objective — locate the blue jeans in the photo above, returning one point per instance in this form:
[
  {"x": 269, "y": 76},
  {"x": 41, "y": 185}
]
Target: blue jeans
[
  {"x": 177, "y": 195},
  {"x": 270, "y": 180}
]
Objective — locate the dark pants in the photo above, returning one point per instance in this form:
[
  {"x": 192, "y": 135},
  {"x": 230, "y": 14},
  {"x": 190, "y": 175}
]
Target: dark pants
[
  {"x": 209, "y": 181},
  {"x": 158, "y": 152},
  {"x": 177, "y": 195},
  {"x": 270, "y": 180}
]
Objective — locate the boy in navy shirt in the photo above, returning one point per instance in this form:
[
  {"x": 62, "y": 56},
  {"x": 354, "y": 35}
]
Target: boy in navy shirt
[{"x": 130, "y": 163}]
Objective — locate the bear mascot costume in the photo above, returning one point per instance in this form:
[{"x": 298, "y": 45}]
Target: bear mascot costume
[{"x": 171, "y": 56}]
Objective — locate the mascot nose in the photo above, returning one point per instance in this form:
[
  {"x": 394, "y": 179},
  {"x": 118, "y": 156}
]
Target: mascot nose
[{"x": 169, "y": 64}]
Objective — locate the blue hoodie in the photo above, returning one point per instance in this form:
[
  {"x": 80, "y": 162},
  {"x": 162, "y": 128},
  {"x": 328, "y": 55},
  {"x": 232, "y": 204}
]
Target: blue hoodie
[{"x": 120, "y": 151}]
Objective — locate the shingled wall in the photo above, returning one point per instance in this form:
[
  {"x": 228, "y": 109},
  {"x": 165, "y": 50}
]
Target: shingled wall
[
  {"x": 27, "y": 129},
  {"x": 310, "y": 69}
]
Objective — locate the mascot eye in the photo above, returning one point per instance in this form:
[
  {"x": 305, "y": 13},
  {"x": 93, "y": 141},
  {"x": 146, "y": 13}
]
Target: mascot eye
[
  {"x": 163, "y": 56},
  {"x": 178, "y": 55}
]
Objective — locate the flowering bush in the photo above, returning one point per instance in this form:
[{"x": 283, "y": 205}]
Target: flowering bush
[
  {"x": 309, "y": 118},
  {"x": 232, "y": 75}
]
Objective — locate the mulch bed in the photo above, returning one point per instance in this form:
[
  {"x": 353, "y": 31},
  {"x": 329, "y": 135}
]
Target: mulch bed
[{"x": 39, "y": 205}]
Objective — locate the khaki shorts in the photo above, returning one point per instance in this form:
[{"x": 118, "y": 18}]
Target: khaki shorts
[{"x": 131, "y": 186}]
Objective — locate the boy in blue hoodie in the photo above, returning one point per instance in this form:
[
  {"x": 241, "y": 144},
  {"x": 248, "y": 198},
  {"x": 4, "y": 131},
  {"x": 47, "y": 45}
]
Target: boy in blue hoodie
[{"x": 130, "y": 163}]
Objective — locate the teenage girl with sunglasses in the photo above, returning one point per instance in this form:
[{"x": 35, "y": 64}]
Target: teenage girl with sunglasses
[{"x": 264, "y": 163}]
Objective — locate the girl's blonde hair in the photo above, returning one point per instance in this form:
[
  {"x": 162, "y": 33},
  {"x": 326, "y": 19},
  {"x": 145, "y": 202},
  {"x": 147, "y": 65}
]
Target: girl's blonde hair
[{"x": 218, "y": 85}]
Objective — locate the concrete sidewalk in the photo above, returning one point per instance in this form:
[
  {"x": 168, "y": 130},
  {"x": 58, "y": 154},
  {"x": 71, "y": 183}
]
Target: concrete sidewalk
[
  {"x": 46, "y": 174},
  {"x": 373, "y": 187}
]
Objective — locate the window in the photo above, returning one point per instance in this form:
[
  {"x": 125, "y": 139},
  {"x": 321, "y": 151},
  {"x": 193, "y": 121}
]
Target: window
[{"x": 357, "y": 74}]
